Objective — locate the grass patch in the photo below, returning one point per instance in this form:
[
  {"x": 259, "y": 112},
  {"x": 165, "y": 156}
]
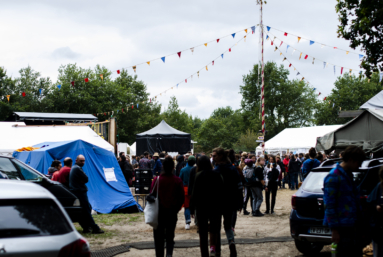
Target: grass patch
[{"x": 117, "y": 219}]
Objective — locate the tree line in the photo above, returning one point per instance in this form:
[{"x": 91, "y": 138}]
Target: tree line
[{"x": 289, "y": 103}]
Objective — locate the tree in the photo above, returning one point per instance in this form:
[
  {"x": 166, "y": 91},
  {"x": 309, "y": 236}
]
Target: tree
[
  {"x": 288, "y": 103},
  {"x": 247, "y": 141},
  {"x": 361, "y": 22},
  {"x": 349, "y": 93}
]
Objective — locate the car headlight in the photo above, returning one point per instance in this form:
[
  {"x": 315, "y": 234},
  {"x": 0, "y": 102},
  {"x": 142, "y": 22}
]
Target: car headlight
[{"x": 76, "y": 202}]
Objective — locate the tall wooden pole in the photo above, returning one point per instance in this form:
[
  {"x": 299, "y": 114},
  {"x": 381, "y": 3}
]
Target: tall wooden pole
[{"x": 263, "y": 75}]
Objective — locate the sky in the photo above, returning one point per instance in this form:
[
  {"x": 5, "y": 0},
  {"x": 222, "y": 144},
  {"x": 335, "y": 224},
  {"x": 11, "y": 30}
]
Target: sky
[{"x": 119, "y": 34}]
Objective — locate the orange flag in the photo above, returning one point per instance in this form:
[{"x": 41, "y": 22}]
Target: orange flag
[
  {"x": 102, "y": 76},
  {"x": 205, "y": 44},
  {"x": 299, "y": 39},
  {"x": 148, "y": 63},
  {"x": 8, "y": 96}
]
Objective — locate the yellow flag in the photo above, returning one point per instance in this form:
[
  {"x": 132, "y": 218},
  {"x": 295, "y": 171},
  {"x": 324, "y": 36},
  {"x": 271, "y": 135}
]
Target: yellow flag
[
  {"x": 172, "y": 87},
  {"x": 369, "y": 80},
  {"x": 134, "y": 68},
  {"x": 8, "y": 96},
  {"x": 148, "y": 63},
  {"x": 340, "y": 108},
  {"x": 205, "y": 44},
  {"x": 300, "y": 56},
  {"x": 280, "y": 53},
  {"x": 102, "y": 76},
  {"x": 347, "y": 52},
  {"x": 246, "y": 30},
  {"x": 299, "y": 39},
  {"x": 206, "y": 67},
  {"x": 245, "y": 38},
  {"x": 303, "y": 79}
]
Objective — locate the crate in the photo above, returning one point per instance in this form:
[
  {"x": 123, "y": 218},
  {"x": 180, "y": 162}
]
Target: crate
[
  {"x": 142, "y": 189},
  {"x": 142, "y": 174},
  {"x": 143, "y": 181}
]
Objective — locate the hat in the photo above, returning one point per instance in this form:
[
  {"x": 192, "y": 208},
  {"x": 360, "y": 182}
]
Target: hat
[
  {"x": 187, "y": 154},
  {"x": 156, "y": 155},
  {"x": 191, "y": 157},
  {"x": 244, "y": 153},
  {"x": 249, "y": 162}
]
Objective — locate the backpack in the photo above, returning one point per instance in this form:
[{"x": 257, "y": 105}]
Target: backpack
[{"x": 248, "y": 173}]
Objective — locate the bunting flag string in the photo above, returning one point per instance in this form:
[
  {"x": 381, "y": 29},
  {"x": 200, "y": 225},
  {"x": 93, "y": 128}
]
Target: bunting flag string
[
  {"x": 315, "y": 42},
  {"x": 325, "y": 63}
]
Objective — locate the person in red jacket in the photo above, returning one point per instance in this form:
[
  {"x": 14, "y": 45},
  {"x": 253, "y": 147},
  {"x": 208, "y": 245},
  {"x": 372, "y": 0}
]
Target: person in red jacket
[
  {"x": 286, "y": 171},
  {"x": 63, "y": 175}
]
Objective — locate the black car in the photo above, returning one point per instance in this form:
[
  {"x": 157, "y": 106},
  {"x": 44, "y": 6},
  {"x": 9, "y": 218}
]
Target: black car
[
  {"x": 306, "y": 218},
  {"x": 17, "y": 170}
]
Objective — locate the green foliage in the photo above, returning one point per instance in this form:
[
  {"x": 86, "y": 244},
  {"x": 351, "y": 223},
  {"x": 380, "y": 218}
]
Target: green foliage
[
  {"x": 361, "y": 22},
  {"x": 247, "y": 141},
  {"x": 349, "y": 93},
  {"x": 288, "y": 103}
]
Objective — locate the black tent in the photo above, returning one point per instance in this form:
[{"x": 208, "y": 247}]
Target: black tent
[
  {"x": 163, "y": 138},
  {"x": 364, "y": 131}
]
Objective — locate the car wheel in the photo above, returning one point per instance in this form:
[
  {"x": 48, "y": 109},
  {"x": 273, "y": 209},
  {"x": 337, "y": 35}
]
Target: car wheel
[{"x": 308, "y": 248}]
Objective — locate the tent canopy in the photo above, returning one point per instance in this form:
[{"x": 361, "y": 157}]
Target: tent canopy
[
  {"x": 107, "y": 186},
  {"x": 374, "y": 103},
  {"x": 13, "y": 138},
  {"x": 163, "y": 138},
  {"x": 296, "y": 139},
  {"x": 364, "y": 131}
]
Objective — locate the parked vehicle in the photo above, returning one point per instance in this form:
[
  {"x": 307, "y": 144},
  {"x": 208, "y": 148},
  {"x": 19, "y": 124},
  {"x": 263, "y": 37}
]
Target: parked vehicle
[
  {"x": 306, "y": 217},
  {"x": 17, "y": 170},
  {"x": 33, "y": 223}
]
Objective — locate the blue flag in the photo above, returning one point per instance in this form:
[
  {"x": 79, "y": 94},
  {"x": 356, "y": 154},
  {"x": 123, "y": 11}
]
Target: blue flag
[
  {"x": 177, "y": 85},
  {"x": 267, "y": 37},
  {"x": 222, "y": 56},
  {"x": 163, "y": 59},
  {"x": 137, "y": 106},
  {"x": 314, "y": 89},
  {"x": 268, "y": 28},
  {"x": 361, "y": 56},
  {"x": 298, "y": 73},
  {"x": 311, "y": 42},
  {"x": 334, "y": 69},
  {"x": 40, "y": 90},
  {"x": 253, "y": 29},
  {"x": 233, "y": 35},
  {"x": 381, "y": 76},
  {"x": 59, "y": 87},
  {"x": 324, "y": 65},
  {"x": 360, "y": 72},
  {"x": 287, "y": 48}
]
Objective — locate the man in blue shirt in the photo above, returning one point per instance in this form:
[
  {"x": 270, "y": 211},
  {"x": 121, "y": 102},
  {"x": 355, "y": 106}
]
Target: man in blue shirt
[
  {"x": 185, "y": 175},
  {"x": 157, "y": 165}
]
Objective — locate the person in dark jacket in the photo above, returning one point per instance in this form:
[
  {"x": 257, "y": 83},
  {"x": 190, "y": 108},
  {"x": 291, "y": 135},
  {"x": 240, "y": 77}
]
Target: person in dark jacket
[
  {"x": 375, "y": 201},
  {"x": 342, "y": 203},
  {"x": 157, "y": 165},
  {"x": 271, "y": 175},
  {"x": 127, "y": 170},
  {"x": 257, "y": 186},
  {"x": 180, "y": 164},
  {"x": 280, "y": 163},
  {"x": 232, "y": 196},
  {"x": 294, "y": 169},
  {"x": 54, "y": 169},
  {"x": 77, "y": 185},
  {"x": 311, "y": 163},
  {"x": 207, "y": 201},
  {"x": 171, "y": 198}
]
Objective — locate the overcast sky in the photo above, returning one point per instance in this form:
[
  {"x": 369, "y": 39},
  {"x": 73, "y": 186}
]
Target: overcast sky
[{"x": 118, "y": 34}]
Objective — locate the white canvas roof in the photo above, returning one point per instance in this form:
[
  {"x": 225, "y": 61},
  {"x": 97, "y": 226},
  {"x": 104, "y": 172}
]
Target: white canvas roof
[
  {"x": 162, "y": 129},
  {"x": 297, "y": 139},
  {"x": 13, "y": 138},
  {"x": 133, "y": 149},
  {"x": 374, "y": 103}
]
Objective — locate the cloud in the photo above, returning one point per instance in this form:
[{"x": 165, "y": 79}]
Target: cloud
[{"x": 65, "y": 53}]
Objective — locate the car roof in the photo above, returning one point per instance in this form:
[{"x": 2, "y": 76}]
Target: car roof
[
  {"x": 330, "y": 164},
  {"x": 13, "y": 189}
]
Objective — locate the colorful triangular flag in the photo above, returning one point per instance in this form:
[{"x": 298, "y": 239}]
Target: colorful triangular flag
[
  {"x": 287, "y": 48},
  {"x": 206, "y": 67},
  {"x": 306, "y": 57},
  {"x": 134, "y": 68},
  {"x": 212, "y": 63},
  {"x": 40, "y": 91},
  {"x": 218, "y": 40},
  {"x": 341, "y": 70},
  {"x": 313, "y": 60},
  {"x": 361, "y": 56},
  {"x": 268, "y": 28},
  {"x": 59, "y": 87},
  {"x": 72, "y": 82},
  {"x": 118, "y": 72},
  {"x": 102, "y": 76},
  {"x": 233, "y": 35},
  {"x": 229, "y": 49},
  {"x": 246, "y": 30},
  {"x": 205, "y": 44},
  {"x": 179, "y": 54},
  {"x": 285, "y": 34},
  {"x": 86, "y": 80},
  {"x": 8, "y": 97},
  {"x": 148, "y": 63},
  {"x": 281, "y": 43},
  {"x": 253, "y": 29},
  {"x": 299, "y": 39},
  {"x": 324, "y": 65},
  {"x": 222, "y": 56},
  {"x": 311, "y": 42},
  {"x": 300, "y": 56},
  {"x": 163, "y": 59}
]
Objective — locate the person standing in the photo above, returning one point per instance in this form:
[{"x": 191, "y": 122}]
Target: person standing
[
  {"x": 286, "y": 161},
  {"x": 294, "y": 169},
  {"x": 184, "y": 176},
  {"x": 134, "y": 160},
  {"x": 180, "y": 162},
  {"x": 257, "y": 188},
  {"x": 53, "y": 170},
  {"x": 157, "y": 165},
  {"x": 311, "y": 163},
  {"x": 232, "y": 194},
  {"x": 77, "y": 185},
  {"x": 152, "y": 162},
  {"x": 341, "y": 203},
  {"x": 171, "y": 197},
  {"x": 144, "y": 163},
  {"x": 375, "y": 202},
  {"x": 271, "y": 174},
  {"x": 127, "y": 170},
  {"x": 282, "y": 166},
  {"x": 63, "y": 176},
  {"x": 207, "y": 201}
]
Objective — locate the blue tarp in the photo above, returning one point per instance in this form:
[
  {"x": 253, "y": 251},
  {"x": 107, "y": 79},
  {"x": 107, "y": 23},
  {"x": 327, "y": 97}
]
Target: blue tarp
[{"x": 104, "y": 196}]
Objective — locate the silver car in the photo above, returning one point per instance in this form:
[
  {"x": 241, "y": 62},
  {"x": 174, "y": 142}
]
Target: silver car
[{"x": 33, "y": 223}]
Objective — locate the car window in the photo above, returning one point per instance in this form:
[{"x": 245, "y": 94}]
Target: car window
[
  {"x": 314, "y": 182},
  {"x": 32, "y": 218},
  {"x": 27, "y": 172},
  {"x": 9, "y": 169}
]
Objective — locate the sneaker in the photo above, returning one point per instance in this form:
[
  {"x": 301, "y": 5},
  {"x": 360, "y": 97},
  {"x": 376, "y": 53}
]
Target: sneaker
[
  {"x": 187, "y": 226},
  {"x": 233, "y": 250},
  {"x": 98, "y": 231},
  {"x": 258, "y": 214},
  {"x": 272, "y": 213},
  {"x": 246, "y": 212},
  {"x": 267, "y": 212}
]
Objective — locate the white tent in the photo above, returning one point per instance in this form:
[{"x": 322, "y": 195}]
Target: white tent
[
  {"x": 133, "y": 149},
  {"x": 298, "y": 140},
  {"x": 375, "y": 102},
  {"x": 122, "y": 147},
  {"x": 15, "y": 137}
]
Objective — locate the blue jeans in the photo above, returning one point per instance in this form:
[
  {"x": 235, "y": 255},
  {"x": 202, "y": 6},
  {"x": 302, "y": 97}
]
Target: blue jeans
[
  {"x": 294, "y": 180},
  {"x": 187, "y": 216}
]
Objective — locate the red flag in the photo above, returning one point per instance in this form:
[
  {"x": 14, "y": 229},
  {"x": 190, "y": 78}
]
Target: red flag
[
  {"x": 72, "y": 83},
  {"x": 86, "y": 80},
  {"x": 325, "y": 99},
  {"x": 179, "y": 54},
  {"x": 290, "y": 65},
  {"x": 272, "y": 42},
  {"x": 341, "y": 70},
  {"x": 186, "y": 81},
  {"x": 23, "y": 94},
  {"x": 217, "y": 40},
  {"x": 132, "y": 106},
  {"x": 335, "y": 47},
  {"x": 122, "y": 109},
  {"x": 319, "y": 93},
  {"x": 118, "y": 71},
  {"x": 229, "y": 49},
  {"x": 281, "y": 44},
  {"x": 213, "y": 63},
  {"x": 104, "y": 113},
  {"x": 306, "y": 56},
  {"x": 285, "y": 34},
  {"x": 150, "y": 99}
]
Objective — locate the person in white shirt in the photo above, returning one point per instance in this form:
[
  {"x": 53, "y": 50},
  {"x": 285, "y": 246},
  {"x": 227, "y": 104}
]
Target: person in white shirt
[{"x": 271, "y": 175}]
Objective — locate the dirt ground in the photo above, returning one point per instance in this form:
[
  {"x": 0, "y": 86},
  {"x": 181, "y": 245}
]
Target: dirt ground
[{"x": 125, "y": 228}]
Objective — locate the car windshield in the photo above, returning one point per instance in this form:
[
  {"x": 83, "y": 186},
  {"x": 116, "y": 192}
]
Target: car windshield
[
  {"x": 27, "y": 172},
  {"x": 7, "y": 167},
  {"x": 31, "y": 218},
  {"x": 314, "y": 181}
]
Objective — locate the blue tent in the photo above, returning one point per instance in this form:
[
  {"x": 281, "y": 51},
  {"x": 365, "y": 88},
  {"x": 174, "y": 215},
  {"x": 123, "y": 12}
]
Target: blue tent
[{"x": 105, "y": 193}]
